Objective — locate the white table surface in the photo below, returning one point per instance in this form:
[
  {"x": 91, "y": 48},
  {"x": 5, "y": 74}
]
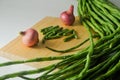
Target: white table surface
[{"x": 17, "y": 15}]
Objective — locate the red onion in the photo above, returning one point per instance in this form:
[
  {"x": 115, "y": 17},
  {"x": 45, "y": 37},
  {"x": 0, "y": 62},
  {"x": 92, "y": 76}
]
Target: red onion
[{"x": 67, "y": 17}]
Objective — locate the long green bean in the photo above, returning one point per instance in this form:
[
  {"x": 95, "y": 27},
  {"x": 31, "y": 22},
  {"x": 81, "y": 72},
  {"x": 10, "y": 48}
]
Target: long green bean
[
  {"x": 116, "y": 56},
  {"x": 107, "y": 14},
  {"x": 102, "y": 22},
  {"x": 110, "y": 72},
  {"x": 70, "y": 49},
  {"x": 91, "y": 49},
  {"x": 110, "y": 25},
  {"x": 12, "y": 75},
  {"x": 34, "y": 60}
]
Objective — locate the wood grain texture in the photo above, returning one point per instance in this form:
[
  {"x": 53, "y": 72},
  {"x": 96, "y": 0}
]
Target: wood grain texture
[{"x": 15, "y": 50}]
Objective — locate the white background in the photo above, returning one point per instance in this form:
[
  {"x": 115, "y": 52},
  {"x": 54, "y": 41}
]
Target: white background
[{"x": 17, "y": 15}]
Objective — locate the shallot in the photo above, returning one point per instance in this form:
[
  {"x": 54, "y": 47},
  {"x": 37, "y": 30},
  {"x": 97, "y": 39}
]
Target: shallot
[
  {"x": 67, "y": 17},
  {"x": 29, "y": 37}
]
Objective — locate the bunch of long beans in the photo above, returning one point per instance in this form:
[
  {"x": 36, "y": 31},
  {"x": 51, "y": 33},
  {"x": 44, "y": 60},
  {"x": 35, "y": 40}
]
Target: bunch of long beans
[{"x": 99, "y": 61}]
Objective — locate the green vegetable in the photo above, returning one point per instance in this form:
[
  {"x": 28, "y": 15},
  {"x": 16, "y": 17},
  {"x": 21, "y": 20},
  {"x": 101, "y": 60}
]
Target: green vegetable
[
  {"x": 34, "y": 60},
  {"x": 68, "y": 32},
  {"x": 75, "y": 34},
  {"x": 70, "y": 49},
  {"x": 53, "y": 32},
  {"x": 69, "y": 38},
  {"x": 110, "y": 72}
]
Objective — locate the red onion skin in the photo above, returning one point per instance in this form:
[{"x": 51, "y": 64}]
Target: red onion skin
[
  {"x": 67, "y": 17},
  {"x": 29, "y": 37}
]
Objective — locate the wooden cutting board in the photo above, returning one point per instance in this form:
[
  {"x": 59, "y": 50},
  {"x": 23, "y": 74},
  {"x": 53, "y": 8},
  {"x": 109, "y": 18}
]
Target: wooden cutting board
[{"x": 15, "y": 50}]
